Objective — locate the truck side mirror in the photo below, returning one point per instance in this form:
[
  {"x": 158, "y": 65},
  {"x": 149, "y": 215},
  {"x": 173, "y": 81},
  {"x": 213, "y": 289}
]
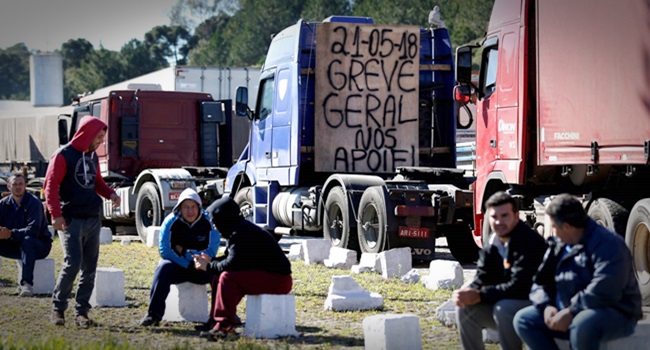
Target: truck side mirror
[
  {"x": 464, "y": 64},
  {"x": 63, "y": 131},
  {"x": 241, "y": 101},
  {"x": 463, "y": 94}
]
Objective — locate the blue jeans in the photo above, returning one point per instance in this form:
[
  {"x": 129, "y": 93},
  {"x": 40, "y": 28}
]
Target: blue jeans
[
  {"x": 28, "y": 250},
  {"x": 471, "y": 320},
  {"x": 587, "y": 330},
  {"x": 166, "y": 274},
  {"x": 80, "y": 242}
]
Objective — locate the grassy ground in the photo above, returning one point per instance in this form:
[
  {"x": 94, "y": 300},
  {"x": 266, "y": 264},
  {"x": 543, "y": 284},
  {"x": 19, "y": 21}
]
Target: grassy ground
[{"x": 24, "y": 322}]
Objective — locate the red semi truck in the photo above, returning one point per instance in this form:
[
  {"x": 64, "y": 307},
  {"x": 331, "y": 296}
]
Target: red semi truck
[
  {"x": 158, "y": 143},
  {"x": 563, "y": 105}
]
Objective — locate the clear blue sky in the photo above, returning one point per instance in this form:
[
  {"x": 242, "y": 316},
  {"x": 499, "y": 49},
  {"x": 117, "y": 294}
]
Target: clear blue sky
[{"x": 46, "y": 24}]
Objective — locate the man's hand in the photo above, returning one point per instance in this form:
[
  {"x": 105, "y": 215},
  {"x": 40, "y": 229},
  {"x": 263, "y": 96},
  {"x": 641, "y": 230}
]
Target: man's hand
[
  {"x": 116, "y": 200},
  {"x": 59, "y": 223},
  {"x": 5, "y": 233},
  {"x": 561, "y": 320},
  {"x": 549, "y": 312},
  {"x": 201, "y": 261},
  {"x": 466, "y": 297}
]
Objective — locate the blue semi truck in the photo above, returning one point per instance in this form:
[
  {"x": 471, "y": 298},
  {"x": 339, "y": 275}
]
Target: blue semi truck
[{"x": 353, "y": 136}]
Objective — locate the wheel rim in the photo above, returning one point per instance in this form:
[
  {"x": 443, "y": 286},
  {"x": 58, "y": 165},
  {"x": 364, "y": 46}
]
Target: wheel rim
[
  {"x": 247, "y": 211},
  {"x": 370, "y": 226},
  {"x": 335, "y": 223},
  {"x": 146, "y": 213},
  {"x": 640, "y": 253}
]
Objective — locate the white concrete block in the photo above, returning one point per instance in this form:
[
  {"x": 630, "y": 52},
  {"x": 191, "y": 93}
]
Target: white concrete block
[
  {"x": 446, "y": 313},
  {"x": 490, "y": 336},
  {"x": 126, "y": 242},
  {"x": 43, "y": 275},
  {"x": 295, "y": 252},
  {"x": 105, "y": 236},
  {"x": 357, "y": 269},
  {"x": 341, "y": 258},
  {"x": 444, "y": 274},
  {"x": 395, "y": 262},
  {"x": 187, "y": 302},
  {"x": 371, "y": 260},
  {"x": 270, "y": 316},
  {"x": 153, "y": 232},
  {"x": 109, "y": 288},
  {"x": 52, "y": 230},
  {"x": 412, "y": 276},
  {"x": 392, "y": 332},
  {"x": 316, "y": 250},
  {"x": 346, "y": 294}
]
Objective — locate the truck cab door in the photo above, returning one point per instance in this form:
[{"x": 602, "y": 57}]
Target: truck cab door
[
  {"x": 486, "y": 107},
  {"x": 262, "y": 128}
]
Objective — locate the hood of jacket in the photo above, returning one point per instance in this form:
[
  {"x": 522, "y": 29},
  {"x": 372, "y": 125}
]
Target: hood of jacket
[
  {"x": 190, "y": 194},
  {"x": 88, "y": 129},
  {"x": 226, "y": 216}
]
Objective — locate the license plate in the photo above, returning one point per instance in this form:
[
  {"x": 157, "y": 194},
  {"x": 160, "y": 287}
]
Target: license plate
[
  {"x": 413, "y": 232},
  {"x": 174, "y": 196}
]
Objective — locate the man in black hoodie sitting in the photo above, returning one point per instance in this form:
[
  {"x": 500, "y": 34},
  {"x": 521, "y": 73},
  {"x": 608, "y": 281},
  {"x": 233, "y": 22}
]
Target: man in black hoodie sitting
[{"x": 253, "y": 263}]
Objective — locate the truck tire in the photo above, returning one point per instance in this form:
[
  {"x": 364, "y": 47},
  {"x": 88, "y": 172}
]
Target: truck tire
[
  {"x": 148, "y": 209},
  {"x": 637, "y": 238},
  {"x": 373, "y": 221},
  {"x": 610, "y": 214},
  {"x": 244, "y": 198},
  {"x": 336, "y": 220},
  {"x": 461, "y": 243}
]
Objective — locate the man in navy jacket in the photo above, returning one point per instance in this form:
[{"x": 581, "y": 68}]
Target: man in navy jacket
[
  {"x": 585, "y": 290},
  {"x": 23, "y": 231}
]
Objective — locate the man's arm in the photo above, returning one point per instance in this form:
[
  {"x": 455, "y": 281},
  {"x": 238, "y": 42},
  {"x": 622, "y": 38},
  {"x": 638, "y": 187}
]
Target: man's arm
[
  {"x": 165, "y": 243},
  {"x": 53, "y": 178},
  {"x": 35, "y": 214},
  {"x": 105, "y": 191},
  {"x": 609, "y": 278}
]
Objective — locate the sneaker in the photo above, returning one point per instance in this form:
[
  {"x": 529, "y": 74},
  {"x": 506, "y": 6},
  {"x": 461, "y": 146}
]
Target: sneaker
[
  {"x": 150, "y": 321},
  {"x": 82, "y": 321},
  {"x": 26, "y": 290},
  {"x": 57, "y": 318}
]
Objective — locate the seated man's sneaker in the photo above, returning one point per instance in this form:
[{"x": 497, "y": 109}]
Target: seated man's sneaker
[
  {"x": 26, "y": 290},
  {"x": 149, "y": 321},
  {"x": 82, "y": 321},
  {"x": 57, "y": 318}
]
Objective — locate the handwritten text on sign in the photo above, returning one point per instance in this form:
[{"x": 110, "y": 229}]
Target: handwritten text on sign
[{"x": 366, "y": 97}]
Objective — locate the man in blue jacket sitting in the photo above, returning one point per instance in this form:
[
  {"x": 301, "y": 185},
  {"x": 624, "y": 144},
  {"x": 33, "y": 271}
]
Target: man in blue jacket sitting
[
  {"x": 23, "y": 230},
  {"x": 585, "y": 290},
  {"x": 185, "y": 232}
]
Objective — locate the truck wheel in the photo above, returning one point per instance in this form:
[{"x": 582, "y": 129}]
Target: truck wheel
[
  {"x": 461, "y": 243},
  {"x": 148, "y": 210},
  {"x": 637, "y": 237},
  {"x": 373, "y": 224},
  {"x": 244, "y": 198},
  {"x": 610, "y": 214},
  {"x": 336, "y": 223}
]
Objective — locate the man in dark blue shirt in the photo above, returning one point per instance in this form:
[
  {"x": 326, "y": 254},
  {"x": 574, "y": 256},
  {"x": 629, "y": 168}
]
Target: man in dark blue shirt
[{"x": 23, "y": 231}]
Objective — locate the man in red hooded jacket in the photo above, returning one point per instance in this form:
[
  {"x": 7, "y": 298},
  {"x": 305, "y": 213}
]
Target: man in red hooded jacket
[{"x": 72, "y": 186}]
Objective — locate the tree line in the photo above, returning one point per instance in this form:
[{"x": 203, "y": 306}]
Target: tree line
[{"x": 229, "y": 33}]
